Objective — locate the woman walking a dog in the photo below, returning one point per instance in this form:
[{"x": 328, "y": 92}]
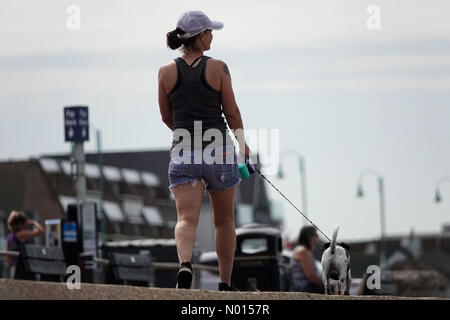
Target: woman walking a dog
[
  {"x": 196, "y": 89},
  {"x": 303, "y": 268}
]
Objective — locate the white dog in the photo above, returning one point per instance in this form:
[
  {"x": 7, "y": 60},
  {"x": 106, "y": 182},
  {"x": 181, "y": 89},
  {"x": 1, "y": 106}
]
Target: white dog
[{"x": 336, "y": 265}]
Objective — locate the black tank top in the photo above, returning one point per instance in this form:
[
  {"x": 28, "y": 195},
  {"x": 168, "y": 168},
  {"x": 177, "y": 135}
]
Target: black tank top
[{"x": 193, "y": 99}]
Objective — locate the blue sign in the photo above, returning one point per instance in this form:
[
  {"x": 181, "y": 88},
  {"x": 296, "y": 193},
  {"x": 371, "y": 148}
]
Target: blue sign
[
  {"x": 70, "y": 232},
  {"x": 76, "y": 124}
]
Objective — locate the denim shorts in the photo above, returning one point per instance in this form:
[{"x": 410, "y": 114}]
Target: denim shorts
[{"x": 216, "y": 167}]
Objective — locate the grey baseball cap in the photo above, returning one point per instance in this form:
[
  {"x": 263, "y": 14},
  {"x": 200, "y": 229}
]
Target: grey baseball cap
[{"x": 194, "y": 22}]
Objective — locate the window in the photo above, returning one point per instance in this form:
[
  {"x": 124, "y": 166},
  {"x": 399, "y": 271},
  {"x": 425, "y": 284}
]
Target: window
[
  {"x": 133, "y": 208},
  {"x": 113, "y": 211},
  {"x": 153, "y": 216}
]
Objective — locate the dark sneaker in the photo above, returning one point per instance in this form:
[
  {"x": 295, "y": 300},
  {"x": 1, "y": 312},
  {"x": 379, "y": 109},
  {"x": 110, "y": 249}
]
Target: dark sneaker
[
  {"x": 184, "y": 276},
  {"x": 223, "y": 286}
]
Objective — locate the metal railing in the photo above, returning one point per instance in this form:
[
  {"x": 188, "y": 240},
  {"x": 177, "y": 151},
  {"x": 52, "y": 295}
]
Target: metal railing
[
  {"x": 9, "y": 253},
  {"x": 165, "y": 265},
  {"x": 168, "y": 265}
]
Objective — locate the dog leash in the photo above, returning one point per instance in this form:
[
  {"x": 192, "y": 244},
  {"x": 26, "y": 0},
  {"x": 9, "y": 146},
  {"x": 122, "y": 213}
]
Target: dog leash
[{"x": 292, "y": 204}]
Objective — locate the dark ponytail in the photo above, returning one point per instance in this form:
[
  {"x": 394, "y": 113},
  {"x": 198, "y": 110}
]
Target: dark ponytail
[{"x": 174, "y": 42}]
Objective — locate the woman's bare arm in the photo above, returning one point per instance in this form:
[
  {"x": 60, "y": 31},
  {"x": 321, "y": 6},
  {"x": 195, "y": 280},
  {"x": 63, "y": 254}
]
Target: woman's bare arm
[
  {"x": 25, "y": 235},
  {"x": 164, "y": 104},
  {"x": 230, "y": 107},
  {"x": 305, "y": 261}
]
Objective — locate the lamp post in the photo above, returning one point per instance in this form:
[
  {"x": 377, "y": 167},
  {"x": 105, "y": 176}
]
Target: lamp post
[
  {"x": 437, "y": 193},
  {"x": 360, "y": 194},
  {"x": 101, "y": 209},
  {"x": 302, "y": 179},
  {"x": 102, "y": 184},
  {"x": 438, "y": 199}
]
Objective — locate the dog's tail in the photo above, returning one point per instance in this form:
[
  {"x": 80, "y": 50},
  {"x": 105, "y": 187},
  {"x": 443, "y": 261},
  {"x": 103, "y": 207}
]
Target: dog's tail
[{"x": 333, "y": 240}]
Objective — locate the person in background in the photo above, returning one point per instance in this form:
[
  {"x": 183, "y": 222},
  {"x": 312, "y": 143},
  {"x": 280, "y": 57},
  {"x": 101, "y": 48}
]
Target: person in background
[
  {"x": 303, "y": 270},
  {"x": 17, "y": 225}
]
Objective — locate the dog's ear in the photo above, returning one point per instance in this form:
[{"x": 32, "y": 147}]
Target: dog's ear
[
  {"x": 326, "y": 246},
  {"x": 345, "y": 246}
]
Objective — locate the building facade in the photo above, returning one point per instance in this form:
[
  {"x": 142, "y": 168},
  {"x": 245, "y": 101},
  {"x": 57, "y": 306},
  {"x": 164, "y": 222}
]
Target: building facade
[{"x": 130, "y": 190}]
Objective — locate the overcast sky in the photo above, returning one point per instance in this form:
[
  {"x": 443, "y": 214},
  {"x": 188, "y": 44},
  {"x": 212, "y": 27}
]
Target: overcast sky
[{"x": 344, "y": 96}]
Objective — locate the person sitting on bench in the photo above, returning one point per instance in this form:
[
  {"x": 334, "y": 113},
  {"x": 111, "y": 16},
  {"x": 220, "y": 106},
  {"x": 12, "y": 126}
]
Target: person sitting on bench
[{"x": 17, "y": 224}]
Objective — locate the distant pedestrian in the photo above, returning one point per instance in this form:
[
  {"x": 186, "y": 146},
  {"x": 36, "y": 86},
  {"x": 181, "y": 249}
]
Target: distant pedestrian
[
  {"x": 197, "y": 89},
  {"x": 303, "y": 268},
  {"x": 17, "y": 224}
]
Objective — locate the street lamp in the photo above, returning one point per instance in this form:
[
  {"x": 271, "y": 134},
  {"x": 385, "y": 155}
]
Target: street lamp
[
  {"x": 101, "y": 209},
  {"x": 438, "y": 198},
  {"x": 360, "y": 194},
  {"x": 437, "y": 193},
  {"x": 281, "y": 174}
]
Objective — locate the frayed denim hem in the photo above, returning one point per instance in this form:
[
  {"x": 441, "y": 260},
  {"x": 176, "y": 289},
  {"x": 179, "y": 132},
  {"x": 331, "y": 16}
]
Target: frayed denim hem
[
  {"x": 229, "y": 187},
  {"x": 192, "y": 181}
]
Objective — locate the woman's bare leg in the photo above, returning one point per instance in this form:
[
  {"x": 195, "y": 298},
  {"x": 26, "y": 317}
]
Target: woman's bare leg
[
  {"x": 225, "y": 235},
  {"x": 188, "y": 200}
]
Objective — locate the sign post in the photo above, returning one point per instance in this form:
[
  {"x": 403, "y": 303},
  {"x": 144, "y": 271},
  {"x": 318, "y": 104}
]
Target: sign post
[
  {"x": 76, "y": 124},
  {"x": 89, "y": 228},
  {"x": 76, "y": 128}
]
